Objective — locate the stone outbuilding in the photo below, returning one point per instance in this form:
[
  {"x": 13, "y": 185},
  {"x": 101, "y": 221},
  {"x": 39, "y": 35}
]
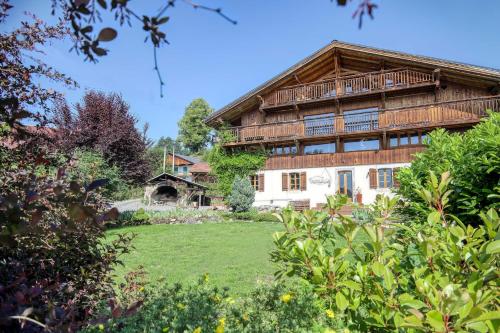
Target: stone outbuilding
[{"x": 168, "y": 189}]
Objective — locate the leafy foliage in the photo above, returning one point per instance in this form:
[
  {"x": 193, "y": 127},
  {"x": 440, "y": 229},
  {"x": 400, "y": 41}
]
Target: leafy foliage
[
  {"x": 242, "y": 195},
  {"x": 437, "y": 276},
  {"x": 194, "y": 134},
  {"x": 103, "y": 123},
  {"x": 56, "y": 266},
  {"x": 155, "y": 154},
  {"x": 226, "y": 165},
  {"x": 21, "y": 96},
  {"x": 89, "y": 166},
  {"x": 474, "y": 163},
  {"x": 202, "y": 308}
]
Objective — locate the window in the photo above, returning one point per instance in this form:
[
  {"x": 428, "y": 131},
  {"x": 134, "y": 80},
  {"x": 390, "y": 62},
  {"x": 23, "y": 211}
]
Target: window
[
  {"x": 384, "y": 178},
  {"x": 284, "y": 150},
  {"x": 406, "y": 139},
  {"x": 361, "y": 119},
  {"x": 345, "y": 183},
  {"x": 414, "y": 140},
  {"x": 423, "y": 138},
  {"x": 184, "y": 169},
  {"x": 321, "y": 124},
  {"x": 294, "y": 181},
  {"x": 176, "y": 169},
  {"x": 319, "y": 148},
  {"x": 363, "y": 144},
  {"x": 254, "y": 180}
]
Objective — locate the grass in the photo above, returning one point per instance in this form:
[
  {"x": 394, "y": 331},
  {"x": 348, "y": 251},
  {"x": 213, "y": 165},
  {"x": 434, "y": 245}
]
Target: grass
[{"x": 234, "y": 255}]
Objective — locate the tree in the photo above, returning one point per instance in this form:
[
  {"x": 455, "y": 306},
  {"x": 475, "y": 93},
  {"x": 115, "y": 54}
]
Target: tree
[
  {"x": 103, "y": 123},
  {"x": 242, "y": 195},
  {"x": 156, "y": 153},
  {"x": 89, "y": 166},
  {"x": 194, "y": 134},
  {"x": 170, "y": 144},
  {"x": 474, "y": 163}
]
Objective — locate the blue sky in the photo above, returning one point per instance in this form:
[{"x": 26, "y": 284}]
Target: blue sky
[{"x": 210, "y": 58}]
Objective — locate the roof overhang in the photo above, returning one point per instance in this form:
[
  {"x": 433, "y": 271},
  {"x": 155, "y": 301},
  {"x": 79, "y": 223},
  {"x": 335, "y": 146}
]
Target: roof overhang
[{"x": 450, "y": 68}]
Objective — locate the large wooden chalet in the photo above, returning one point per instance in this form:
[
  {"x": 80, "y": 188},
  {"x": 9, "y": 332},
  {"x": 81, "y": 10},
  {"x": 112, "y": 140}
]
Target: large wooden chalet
[{"x": 347, "y": 117}]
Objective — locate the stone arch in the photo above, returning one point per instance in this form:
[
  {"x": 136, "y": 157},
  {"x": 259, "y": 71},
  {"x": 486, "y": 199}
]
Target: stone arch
[{"x": 165, "y": 193}]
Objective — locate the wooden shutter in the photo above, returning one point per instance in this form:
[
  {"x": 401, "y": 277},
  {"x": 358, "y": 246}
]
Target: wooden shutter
[
  {"x": 303, "y": 181},
  {"x": 373, "y": 178},
  {"x": 284, "y": 181},
  {"x": 261, "y": 182},
  {"x": 395, "y": 182}
]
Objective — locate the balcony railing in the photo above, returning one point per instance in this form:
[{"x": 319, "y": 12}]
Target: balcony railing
[
  {"x": 430, "y": 115},
  {"x": 346, "y": 86}
]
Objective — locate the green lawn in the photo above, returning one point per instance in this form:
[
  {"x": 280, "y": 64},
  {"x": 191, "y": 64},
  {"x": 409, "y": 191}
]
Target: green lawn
[{"x": 235, "y": 254}]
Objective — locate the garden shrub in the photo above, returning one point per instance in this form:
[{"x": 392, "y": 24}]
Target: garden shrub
[
  {"x": 90, "y": 165},
  {"x": 242, "y": 195},
  {"x": 56, "y": 264},
  {"x": 435, "y": 276},
  {"x": 203, "y": 308},
  {"x": 473, "y": 160}
]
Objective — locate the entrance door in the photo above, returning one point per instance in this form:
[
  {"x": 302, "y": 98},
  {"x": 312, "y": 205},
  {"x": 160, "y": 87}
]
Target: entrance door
[{"x": 345, "y": 183}]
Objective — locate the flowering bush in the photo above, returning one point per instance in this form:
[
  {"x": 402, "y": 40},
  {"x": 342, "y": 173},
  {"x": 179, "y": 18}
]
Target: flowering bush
[
  {"x": 438, "y": 276},
  {"x": 202, "y": 308}
]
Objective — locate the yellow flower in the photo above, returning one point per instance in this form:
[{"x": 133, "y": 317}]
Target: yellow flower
[
  {"x": 246, "y": 317},
  {"x": 141, "y": 289},
  {"x": 220, "y": 327},
  {"x": 216, "y": 298},
  {"x": 101, "y": 327},
  {"x": 330, "y": 313},
  {"x": 181, "y": 306},
  {"x": 197, "y": 330},
  {"x": 286, "y": 298},
  {"x": 229, "y": 300},
  {"x": 205, "y": 277}
]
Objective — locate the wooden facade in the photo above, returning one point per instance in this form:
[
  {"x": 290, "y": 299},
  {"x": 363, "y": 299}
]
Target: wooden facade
[{"x": 349, "y": 92}]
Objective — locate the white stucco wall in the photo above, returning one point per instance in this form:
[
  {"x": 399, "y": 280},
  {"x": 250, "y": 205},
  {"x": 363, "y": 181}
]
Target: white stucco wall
[{"x": 316, "y": 193}]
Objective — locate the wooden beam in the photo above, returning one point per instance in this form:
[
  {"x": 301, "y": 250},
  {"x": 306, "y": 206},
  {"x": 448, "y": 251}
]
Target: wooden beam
[
  {"x": 297, "y": 146},
  {"x": 297, "y": 111},
  {"x": 336, "y": 62},
  {"x": 382, "y": 98},
  {"x": 436, "y": 74},
  {"x": 296, "y": 77}
]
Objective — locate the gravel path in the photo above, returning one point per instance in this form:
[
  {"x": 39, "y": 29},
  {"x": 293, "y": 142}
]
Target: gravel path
[{"x": 135, "y": 204}]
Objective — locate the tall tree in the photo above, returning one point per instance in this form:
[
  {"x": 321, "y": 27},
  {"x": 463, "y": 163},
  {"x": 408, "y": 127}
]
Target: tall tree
[
  {"x": 155, "y": 153},
  {"x": 170, "y": 144},
  {"x": 103, "y": 123},
  {"x": 194, "y": 134}
]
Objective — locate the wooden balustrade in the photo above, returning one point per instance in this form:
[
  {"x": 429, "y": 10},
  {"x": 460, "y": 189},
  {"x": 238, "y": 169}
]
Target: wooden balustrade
[
  {"x": 398, "y": 155},
  {"x": 349, "y": 85},
  {"x": 431, "y": 115}
]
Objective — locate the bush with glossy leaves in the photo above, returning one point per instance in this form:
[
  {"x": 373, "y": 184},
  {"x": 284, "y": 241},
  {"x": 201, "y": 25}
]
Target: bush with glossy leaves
[{"x": 435, "y": 276}]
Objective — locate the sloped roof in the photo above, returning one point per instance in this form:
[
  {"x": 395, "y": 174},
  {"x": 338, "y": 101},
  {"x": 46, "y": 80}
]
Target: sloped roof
[
  {"x": 201, "y": 167},
  {"x": 190, "y": 159},
  {"x": 464, "y": 68},
  {"x": 165, "y": 175}
]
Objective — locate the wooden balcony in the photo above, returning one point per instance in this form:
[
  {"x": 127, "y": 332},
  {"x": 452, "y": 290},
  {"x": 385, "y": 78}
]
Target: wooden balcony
[
  {"x": 422, "y": 116},
  {"x": 398, "y": 155},
  {"x": 348, "y": 86}
]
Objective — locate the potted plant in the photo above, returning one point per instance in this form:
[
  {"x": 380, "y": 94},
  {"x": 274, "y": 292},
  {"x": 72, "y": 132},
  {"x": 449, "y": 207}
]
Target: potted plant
[{"x": 359, "y": 196}]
